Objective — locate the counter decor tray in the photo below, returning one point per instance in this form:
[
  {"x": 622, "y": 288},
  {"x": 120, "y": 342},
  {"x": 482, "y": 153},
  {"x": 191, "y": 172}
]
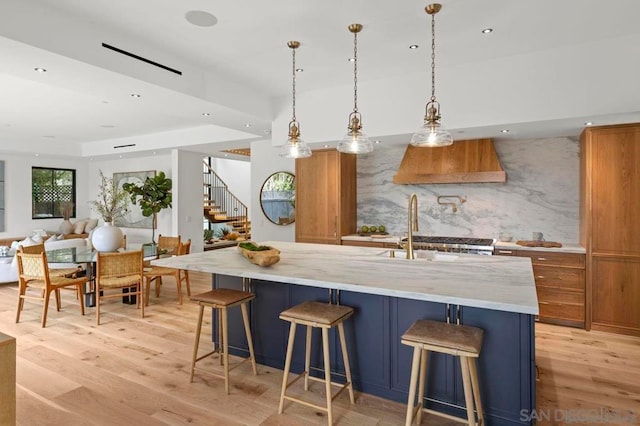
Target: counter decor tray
[
  {"x": 258, "y": 254},
  {"x": 545, "y": 244},
  {"x": 373, "y": 234}
]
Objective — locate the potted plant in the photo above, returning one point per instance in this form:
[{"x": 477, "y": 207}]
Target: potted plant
[
  {"x": 112, "y": 203},
  {"x": 153, "y": 196}
]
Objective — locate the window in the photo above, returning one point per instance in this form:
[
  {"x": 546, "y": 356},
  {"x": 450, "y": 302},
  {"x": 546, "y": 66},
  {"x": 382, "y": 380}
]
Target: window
[{"x": 50, "y": 188}]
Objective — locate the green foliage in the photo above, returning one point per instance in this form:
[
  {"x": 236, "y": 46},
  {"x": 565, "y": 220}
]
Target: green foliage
[
  {"x": 252, "y": 247},
  {"x": 153, "y": 195},
  {"x": 222, "y": 231},
  {"x": 208, "y": 234},
  {"x": 112, "y": 201}
]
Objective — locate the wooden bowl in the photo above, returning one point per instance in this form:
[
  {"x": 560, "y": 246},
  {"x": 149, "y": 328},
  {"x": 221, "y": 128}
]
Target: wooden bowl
[{"x": 261, "y": 258}]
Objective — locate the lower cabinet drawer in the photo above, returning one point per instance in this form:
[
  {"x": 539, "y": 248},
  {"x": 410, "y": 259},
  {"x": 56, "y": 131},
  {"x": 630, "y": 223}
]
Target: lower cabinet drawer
[
  {"x": 560, "y": 311},
  {"x": 553, "y": 276},
  {"x": 559, "y": 296}
]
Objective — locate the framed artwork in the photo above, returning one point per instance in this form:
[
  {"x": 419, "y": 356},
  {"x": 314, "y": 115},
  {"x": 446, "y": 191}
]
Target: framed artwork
[{"x": 133, "y": 218}]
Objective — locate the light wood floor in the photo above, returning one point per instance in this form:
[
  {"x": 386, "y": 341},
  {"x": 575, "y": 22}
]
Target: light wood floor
[{"x": 136, "y": 371}]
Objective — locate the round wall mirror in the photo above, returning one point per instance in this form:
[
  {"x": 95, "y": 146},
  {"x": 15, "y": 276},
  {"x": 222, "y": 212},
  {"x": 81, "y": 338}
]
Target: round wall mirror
[{"x": 278, "y": 198}]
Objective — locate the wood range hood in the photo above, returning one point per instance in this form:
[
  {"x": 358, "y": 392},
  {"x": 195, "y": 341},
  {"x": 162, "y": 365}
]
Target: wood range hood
[{"x": 466, "y": 161}]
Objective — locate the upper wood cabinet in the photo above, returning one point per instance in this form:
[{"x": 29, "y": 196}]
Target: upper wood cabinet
[
  {"x": 609, "y": 225},
  {"x": 325, "y": 197}
]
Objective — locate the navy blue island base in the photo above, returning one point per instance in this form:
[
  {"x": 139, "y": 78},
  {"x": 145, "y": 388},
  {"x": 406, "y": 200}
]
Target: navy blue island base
[{"x": 380, "y": 364}]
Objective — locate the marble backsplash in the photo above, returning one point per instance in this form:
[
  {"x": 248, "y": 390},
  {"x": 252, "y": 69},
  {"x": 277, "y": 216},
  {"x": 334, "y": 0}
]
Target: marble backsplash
[{"x": 541, "y": 194}]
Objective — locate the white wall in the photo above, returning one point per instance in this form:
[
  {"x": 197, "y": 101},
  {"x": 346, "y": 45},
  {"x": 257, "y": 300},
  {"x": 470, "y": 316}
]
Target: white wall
[
  {"x": 17, "y": 190},
  {"x": 187, "y": 197},
  {"x": 265, "y": 161},
  {"x": 136, "y": 164},
  {"x": 237, "y": 175}
]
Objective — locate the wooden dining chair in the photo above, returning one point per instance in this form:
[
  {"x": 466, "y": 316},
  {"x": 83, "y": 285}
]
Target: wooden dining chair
[
  {"x": 154, "y": 273},
  {"x": 119, "y": 270},
  {"x": 58, "y": 272},
  {"x": 33, "y": 272},
  {"x": 168, "y": 244}
]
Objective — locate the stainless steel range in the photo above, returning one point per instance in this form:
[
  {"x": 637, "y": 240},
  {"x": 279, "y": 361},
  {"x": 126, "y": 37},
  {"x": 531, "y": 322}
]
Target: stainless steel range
[{"x": 482, "y": 246}]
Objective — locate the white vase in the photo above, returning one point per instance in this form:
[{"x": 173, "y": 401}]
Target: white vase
[
  {"x": 66, "y": 227},
  {"x": 107, "y": 238}
]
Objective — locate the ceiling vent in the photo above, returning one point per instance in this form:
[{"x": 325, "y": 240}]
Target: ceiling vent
[
  {"x": 140, "y": 58},
  {"x": 467, "y": 161}
]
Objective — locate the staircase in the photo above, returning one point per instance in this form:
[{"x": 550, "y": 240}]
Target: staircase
[{"x": 221, "y": 206}]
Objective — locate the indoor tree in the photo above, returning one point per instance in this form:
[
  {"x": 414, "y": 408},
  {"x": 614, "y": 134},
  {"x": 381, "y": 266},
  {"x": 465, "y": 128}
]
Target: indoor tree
[{"x": 153, "y": 196}]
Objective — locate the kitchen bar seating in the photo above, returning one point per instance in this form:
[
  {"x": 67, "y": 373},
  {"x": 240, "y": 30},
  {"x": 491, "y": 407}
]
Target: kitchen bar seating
[
  {"x": 323, "y": 316},
  {"x": 221, "y": 300},
  {"x": 462, "y": 341}
]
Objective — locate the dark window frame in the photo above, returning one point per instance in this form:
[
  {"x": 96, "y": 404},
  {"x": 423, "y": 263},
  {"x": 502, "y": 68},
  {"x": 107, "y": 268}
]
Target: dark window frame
[{"x": 54, "y": 211}]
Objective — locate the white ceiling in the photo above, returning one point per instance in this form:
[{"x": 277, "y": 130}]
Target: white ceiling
[{"x": 237, "y": 69}]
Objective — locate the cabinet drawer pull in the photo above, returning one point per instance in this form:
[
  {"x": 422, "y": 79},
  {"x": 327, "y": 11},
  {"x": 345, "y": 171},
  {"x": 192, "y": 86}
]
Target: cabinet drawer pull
[
  {"x": 541, "y": 277},
  {"x": 505, "y": 251},
  {"x": 542, "y": 258}
]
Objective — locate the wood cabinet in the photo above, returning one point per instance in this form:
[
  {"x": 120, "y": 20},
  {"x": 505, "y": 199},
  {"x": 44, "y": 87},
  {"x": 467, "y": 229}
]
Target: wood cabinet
[
  {"x": 609, "y": 226},
  {"x": 325, "y": 197},
  {"x": 560, "y": 284}
]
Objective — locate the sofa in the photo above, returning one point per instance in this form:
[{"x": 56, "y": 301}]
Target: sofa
[{"x": 9, "y": 265}]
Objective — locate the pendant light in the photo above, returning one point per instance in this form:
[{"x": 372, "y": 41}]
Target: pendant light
[
  {"x": 294, "y": 147},
  {"x": 432, "y": 134},
  {"x": 355, "y": 141}
]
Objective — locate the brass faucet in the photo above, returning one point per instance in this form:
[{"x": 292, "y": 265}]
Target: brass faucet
[{"x": 412, "y": 224}]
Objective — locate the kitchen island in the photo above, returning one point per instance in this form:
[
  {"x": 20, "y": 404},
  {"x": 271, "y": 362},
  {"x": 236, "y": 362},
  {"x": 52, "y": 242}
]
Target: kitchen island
[{"x": 494, "y": 293}]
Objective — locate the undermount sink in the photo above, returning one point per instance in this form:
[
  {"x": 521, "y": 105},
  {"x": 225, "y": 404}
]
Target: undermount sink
[{"x": 430, "y": 255}]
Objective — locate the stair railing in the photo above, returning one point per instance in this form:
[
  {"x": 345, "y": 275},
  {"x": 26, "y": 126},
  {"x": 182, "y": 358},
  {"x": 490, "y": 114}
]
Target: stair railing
[{"x": 217, "y": 190}]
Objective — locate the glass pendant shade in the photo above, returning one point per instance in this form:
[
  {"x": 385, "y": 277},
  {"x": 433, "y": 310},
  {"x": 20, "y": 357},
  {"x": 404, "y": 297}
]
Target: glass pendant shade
[
  {"x": 432, "y": 135},
  {"x": 355, "y": 143},
  {"x": 295, "y": 149}
]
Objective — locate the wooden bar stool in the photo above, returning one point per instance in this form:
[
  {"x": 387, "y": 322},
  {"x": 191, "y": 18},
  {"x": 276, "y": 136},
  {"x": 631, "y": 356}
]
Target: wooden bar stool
[
  {"x": 459, "y": 340},
  {"x": 221, "y": 300},
  {"x": 324, "y": 316}
]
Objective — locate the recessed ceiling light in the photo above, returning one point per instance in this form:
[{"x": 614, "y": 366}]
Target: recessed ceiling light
[
  {"x": 37, "y": 155},
  {"x": 413, "y": 46},
  {"x": 351, "y": 59},
  {"x": 135, "y": 95},
  {"x": 154, "y": 153},
  {"x": 299, "y": 69},
  {"x": 201, "y": 18},
  {"x": 487, "y": 31},
  {"x": 588, "y": 123},
  {"x": 206, "y": 114},
  {"x": 326, "y": 146},
  {"x": 247, "y": 125},
  {"x": 226, "y": 155},
  {"x": 120, "y": 155},
  {"x": 40, "y": 69},
  {"x": 377, "y": 141},
  {"x": 504, "y": 131}
]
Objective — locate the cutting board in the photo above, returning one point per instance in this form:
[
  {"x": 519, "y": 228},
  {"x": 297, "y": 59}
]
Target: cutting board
[{"x": 545, "y": 244}]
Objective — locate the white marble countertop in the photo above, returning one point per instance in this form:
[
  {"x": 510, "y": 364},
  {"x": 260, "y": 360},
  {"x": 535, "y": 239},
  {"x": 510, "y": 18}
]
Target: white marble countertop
[
  {"x": 394, "y": 239},
  {"x": 493, "y": 282},
  {"x": 566, "y": 248}
]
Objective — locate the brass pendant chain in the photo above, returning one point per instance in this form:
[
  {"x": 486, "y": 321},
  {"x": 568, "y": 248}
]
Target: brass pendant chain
[
  {"x": 433, "y": 57},
  {"x": 355, "y": 72},
  {"x": 293, "y": 70}
]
